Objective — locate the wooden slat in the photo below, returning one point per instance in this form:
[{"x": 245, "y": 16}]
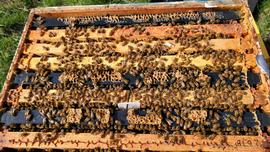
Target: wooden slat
[
  {"x": 25, "y": 93},
  {"x": 197, "y": 61},
  {"x": 216, "y": 44},
  {"x": 132, "y": 9},
  {"x": 188, "y": 95},
  {"x": 134, "y": 142},
  {"x": 247, "y": 99},
  {"x": 155, "y": 31}
]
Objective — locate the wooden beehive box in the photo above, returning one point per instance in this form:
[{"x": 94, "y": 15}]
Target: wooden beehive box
[{"x": 165, "y": 77}]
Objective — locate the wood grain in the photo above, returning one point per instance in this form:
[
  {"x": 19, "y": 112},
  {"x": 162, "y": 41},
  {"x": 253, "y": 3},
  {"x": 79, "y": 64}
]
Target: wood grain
[
  {"x": 189, "y": 95},
  {"x": 134, "y": 142},
  {"x": 216, "y": 44},
  {"x": 51, "y": 94},
  {"x": 154, "y": 31},
  {"x": 169, "y": 60},
  {"x": 128, "y": 9}
]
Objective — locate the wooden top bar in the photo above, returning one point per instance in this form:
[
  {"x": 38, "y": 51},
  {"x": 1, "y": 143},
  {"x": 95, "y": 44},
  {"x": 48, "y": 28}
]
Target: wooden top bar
[
  {"x": 25, "y": 93},
  {"x": 143, "y": 8},
  {"x": 189, "y": 95},
  {"x": 153, "y": 31},
  {"x": 134, "y": 142},
  {"x": 170, "y": 59},
  {"x": 216, "y": 44}
]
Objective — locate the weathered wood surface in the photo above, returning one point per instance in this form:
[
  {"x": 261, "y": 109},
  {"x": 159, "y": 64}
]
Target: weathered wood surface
[
  {"x": 55, "y": 63},
  {"x": 133, "y": 34},
  {"x": 216, "y": 44},
  {"x": 158, "y": 8},
  {"x": 189, "y": 95},
  {"x": 133, "y": 142}
]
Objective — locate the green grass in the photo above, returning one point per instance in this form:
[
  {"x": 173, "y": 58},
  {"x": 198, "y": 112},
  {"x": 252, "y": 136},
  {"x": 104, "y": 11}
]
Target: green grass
[
  {"x": 263, "y": 21},
  {"x": 263, "y": 18},
  {"x": 13, "y": 14},
  {"x": 12, "y": 18},
  {"x": 7, "y": 47}
]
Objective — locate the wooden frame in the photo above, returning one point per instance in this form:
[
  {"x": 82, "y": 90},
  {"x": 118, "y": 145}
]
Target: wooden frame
[
  {"x": 134, "y": 142},
  {"x": 149, "y": 141}
]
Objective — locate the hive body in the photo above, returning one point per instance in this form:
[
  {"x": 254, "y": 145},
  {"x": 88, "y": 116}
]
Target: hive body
[{"x": 163, "y": 77}]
